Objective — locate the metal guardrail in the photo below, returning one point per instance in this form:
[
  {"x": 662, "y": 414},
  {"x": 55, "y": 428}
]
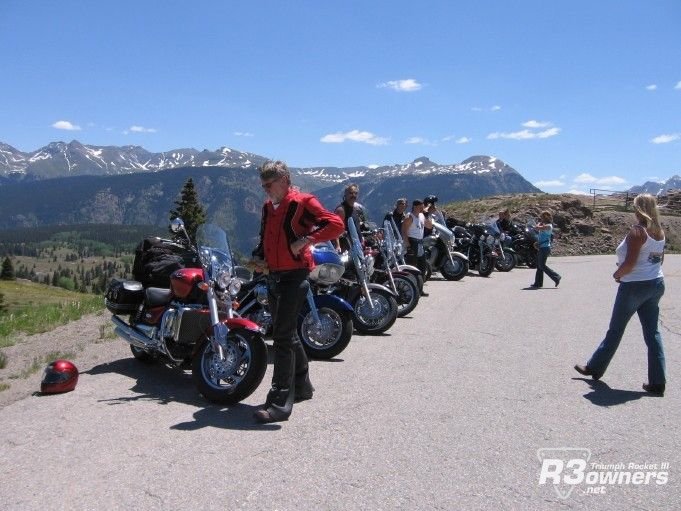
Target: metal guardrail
[{"x": 612, "y": 198}]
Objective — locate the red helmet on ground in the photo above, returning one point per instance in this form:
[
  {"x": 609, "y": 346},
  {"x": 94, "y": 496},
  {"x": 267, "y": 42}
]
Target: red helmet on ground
[{"x": 59, "y": 376}]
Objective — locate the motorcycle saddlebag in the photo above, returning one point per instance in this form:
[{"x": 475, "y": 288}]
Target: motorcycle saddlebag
[{"x": 123, "y": 296}]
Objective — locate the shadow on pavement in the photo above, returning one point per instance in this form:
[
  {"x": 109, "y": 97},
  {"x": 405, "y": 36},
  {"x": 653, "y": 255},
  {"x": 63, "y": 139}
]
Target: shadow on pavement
[
  {"x": 603, "y": 395},
  {"x": 164, "y": 384}
]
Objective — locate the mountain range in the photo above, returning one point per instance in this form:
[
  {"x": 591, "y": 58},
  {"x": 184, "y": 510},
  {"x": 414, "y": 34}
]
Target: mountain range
[{"x": 658, "y": 187}]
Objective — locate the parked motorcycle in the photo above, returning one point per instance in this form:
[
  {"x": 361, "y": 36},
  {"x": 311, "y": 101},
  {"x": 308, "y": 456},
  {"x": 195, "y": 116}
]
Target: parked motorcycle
[
  {"x": 523, "y": 239},
  {"x": 477, "y": 243},
  {"x": 325, "y": 320},
  {"x": 396, "y": 258},
  {"x": 192, "y": 322},
  {"x": 374, "y": 306},
  {"x": 402, "y": 283},
  {"x": 506, "y": 259},
  {"x": 442, "y": 254}
]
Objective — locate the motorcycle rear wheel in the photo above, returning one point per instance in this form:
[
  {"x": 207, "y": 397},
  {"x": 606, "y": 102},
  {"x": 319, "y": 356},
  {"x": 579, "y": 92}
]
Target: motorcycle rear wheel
[
  {"x": 235, "y": 378},
  {"x": 143, "y": 356},
  {"x": 328, "y": 339},
  {"x": 380, "y": 318}
]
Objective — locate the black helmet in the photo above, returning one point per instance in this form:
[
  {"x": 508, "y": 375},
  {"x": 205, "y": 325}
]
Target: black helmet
[{"x": 430, "y": 199}]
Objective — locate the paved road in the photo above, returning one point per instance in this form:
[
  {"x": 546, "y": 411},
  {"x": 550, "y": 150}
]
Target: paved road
[{"x": 446, "y": 412}]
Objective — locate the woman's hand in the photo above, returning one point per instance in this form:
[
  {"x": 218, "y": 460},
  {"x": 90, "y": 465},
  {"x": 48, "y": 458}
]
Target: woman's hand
[{"x": 299, "y": 244}]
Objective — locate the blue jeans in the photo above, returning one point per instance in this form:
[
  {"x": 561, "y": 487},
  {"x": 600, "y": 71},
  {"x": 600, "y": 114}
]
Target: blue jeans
[
  {"x": 642, "y": 297},
  {"x": 542, "y": 256}
]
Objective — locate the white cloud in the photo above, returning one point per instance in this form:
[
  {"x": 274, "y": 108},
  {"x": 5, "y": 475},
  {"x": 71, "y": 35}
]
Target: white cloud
[
  {"x": 408, "y": 85},
  {"x": 495, "y": 108},
  {"x": 578, "y": 192},
  {"x": 665, "y": 139},
  {"x": 419, "y": 141},
  {"x": 66, "y": 125},
  {"x": 141, "y": 129},
  {"x": 463, "y": 140},
  {"x": 476, "y": 109},
  {"x": 607, "y": 181},
  {"x": 652, "y": 86},
  {"x": 243, "y": 134},
  {"x": 585, "y": 178},
  {"x": 549, "y": 184},
  {"x": 524, "y": 134},
  {"x": 536, "y": 124},
  {"x": 365, "y": 137},
  {"x": 677, "y": 86}
]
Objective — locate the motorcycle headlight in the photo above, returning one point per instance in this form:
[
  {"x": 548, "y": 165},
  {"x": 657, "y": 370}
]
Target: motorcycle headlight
[
  {"x": 223, "y": 279},
  {"x": 234, "y": 287},
  {"x": 261, "y": 294}
]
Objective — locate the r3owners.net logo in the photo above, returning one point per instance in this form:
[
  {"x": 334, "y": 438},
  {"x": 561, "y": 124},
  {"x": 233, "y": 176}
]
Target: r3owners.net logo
[{"x": 568, "y": 467}]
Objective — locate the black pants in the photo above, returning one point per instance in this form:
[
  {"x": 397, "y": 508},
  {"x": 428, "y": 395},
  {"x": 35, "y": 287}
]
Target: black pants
[
  {"x": 542, "y": 256},
  {"x": 413, "y": 258},
  {"x": 286, "y": 292}
]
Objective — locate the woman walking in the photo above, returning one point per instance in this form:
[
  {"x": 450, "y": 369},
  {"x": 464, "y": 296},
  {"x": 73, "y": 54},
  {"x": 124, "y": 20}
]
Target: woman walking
[
  {"x": 545, "y": 228},
  {"x": 641, "y": 285}
]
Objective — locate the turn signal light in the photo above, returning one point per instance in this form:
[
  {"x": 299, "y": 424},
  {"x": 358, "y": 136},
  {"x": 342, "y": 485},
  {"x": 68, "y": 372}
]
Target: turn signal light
[{"x": 203, "y": 286}]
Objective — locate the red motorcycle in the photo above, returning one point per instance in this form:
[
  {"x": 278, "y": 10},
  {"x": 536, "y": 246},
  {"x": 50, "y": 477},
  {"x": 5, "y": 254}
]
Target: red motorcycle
[{"x": 192, "y": 323}]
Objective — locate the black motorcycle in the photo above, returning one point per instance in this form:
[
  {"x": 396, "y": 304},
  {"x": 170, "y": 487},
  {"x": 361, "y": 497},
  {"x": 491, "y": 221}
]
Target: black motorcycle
[
  {"x": 523, "y": 241},
  {"x": 506, "y": 259},
  {"x": 476, "y": 242},
  {"x": 442, "y": 253}
]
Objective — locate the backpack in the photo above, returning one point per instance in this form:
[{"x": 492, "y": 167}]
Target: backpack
[{"x": 157, "y": 258}]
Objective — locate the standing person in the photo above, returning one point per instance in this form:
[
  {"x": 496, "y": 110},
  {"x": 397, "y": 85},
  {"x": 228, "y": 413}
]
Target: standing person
[
  {"x": 641, "y": 285},
  {"x": 430, "y": 209},
  {"x": 291, "y": 221},
  {"x": 504, "y": 221},
  {"x": 545, "y": 228},
  {"x": 399, "y": 213},
  {"x": 349, "y": 209},
  {"x": 412, "y": 233}
]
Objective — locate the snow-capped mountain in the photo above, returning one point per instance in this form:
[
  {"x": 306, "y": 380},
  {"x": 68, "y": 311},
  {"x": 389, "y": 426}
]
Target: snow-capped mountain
[
  {"x": 59, "y": 159},
  {"x": 657, "y": 187}
]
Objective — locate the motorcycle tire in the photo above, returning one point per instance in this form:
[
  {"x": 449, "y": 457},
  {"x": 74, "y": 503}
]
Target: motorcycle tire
[
  {"x": 144, "y": 356},
  {"x": 486, "y": 266},
  {"x": 506, "y": 263},
  {"x": 408, "y": 295},
  {"x": 377, "y": 320},
  {"x": 454, "y": 271},
  {"x": 246, "y": 363},
  {"x": 328, "y": 339}
]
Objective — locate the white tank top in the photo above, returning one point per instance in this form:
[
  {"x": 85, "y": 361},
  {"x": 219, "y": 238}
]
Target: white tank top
[
  {"x": 416, "y": 227},
  {"x": 649, "y": 263}
]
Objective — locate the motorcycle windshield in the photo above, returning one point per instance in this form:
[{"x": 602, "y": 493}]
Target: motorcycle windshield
[
  {"x": 213, "y": 247},
  {"x": 443, "y": 230}
]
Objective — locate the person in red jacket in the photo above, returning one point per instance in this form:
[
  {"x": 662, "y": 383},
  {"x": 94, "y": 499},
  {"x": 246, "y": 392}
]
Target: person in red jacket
[{"x": 291, "y": 222}]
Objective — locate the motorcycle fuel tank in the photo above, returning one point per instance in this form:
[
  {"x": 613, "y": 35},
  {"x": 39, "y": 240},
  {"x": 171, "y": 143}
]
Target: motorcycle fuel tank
[{"x": 182, "y": 281}]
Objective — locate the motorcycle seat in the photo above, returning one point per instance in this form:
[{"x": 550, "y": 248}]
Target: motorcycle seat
[{"x": 154, "y": 296}]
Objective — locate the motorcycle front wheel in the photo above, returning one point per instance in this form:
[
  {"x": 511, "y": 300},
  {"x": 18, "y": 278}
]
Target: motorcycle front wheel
[
  {"x": 327, "y": 338},
  {"x": 454, "y": 271},
  {"x": 507, "y": 262},
  {"x": 486, "y": 266},
  {"x": 235, "y": 378},
  {"x": 408, "y": 294},
  {"x": 377, "y": 319}
]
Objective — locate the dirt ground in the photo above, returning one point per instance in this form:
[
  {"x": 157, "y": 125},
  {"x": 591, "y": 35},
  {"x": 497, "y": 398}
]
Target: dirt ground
[{"x": 90, "y": 340}]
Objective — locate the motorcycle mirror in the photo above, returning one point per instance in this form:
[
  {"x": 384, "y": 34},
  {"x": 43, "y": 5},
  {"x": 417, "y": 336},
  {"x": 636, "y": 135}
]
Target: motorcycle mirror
[{"x": 177, "y": 225}]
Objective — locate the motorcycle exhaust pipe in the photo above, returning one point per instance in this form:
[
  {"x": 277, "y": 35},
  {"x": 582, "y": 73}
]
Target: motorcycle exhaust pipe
[{"x": 131, "y": 335}]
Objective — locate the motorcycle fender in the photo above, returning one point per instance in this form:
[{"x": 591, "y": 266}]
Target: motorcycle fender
[
  {"x": 460, "y": 255},
  {"x": 409, "y": 269},
  {"x": 246, "y": 324},
  {"x": 379, "y": 286},
  {"x": 331, "y": 302}
]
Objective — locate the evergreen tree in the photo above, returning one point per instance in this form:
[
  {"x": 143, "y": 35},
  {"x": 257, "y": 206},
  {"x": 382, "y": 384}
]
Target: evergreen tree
[
  {"x": 189, "y": 209},
  {"x": 7, "y": 272}
]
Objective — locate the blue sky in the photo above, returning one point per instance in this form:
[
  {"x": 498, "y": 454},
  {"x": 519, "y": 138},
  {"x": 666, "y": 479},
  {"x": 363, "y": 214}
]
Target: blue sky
[{"x": 573, "y": 94}]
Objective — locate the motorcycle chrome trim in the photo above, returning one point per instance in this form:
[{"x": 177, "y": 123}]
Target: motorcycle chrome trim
[{"x": 132, "y": 335}]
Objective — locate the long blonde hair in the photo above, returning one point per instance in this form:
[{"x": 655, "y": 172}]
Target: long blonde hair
[{"x": 645, "y": 207}]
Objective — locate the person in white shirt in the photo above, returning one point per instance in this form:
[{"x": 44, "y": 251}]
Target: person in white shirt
[{"x": 412, "y": 233}]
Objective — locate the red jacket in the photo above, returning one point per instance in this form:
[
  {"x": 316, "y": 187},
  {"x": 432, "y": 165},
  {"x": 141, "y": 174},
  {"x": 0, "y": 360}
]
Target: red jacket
[{"x": 298, "y": 214}]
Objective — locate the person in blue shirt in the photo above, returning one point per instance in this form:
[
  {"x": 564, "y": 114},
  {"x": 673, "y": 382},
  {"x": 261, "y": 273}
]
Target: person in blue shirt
[{"x": 545, "y": 229}]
